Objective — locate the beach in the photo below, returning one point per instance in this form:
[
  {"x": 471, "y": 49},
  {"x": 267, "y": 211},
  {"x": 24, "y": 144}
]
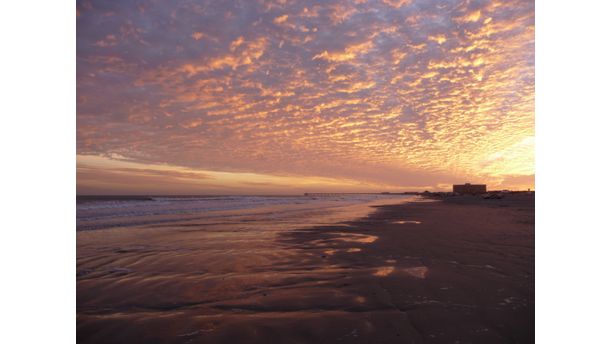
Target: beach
[{"x": 420, "y": 270}]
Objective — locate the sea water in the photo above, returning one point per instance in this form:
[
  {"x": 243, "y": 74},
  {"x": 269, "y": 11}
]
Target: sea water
[{"x": 123, "y": 211}]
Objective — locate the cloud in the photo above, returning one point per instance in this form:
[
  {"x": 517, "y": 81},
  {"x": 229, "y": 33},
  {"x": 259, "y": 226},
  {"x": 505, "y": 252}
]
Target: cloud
[
  {"x": 409, "y": 93},
  {"x": 438, "y": 38},
  {"x": 397, "y": 3},
  {"x": 108, "y": 41},
  {"x": 349, "y": 53},
  {"x": 280, "y": 19},
  {"x": 236, "y": 43},
  {"x": 197, "y": 35},
  {"x": 105, "y": 175},
  {"x": 193, "y": 123}
]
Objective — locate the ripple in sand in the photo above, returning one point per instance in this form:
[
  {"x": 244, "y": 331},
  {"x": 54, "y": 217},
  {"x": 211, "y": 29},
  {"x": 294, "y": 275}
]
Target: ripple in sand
[{"x": 117, "y": 271}]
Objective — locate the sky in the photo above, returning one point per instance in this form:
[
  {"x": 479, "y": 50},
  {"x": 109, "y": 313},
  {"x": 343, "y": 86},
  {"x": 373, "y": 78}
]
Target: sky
[{"x": 284, "y": 97}]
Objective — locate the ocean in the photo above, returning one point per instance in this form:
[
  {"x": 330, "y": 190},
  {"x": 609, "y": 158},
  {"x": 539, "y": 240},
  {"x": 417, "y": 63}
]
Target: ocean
[{"x": 100, "y": 212}]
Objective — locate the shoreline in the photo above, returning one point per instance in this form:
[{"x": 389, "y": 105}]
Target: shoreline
[
  {"x": 148, "y": 213},
  {"x": 459, "y": 269}
]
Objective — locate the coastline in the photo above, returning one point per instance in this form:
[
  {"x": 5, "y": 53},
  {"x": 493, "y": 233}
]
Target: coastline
[
  {"x": 458, "y": 269},
  {"x": 124, "y": 212}
]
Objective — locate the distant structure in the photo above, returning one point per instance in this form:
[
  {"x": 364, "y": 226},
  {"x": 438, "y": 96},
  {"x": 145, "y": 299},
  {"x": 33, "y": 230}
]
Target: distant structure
[{"x": 470, "y": 188}]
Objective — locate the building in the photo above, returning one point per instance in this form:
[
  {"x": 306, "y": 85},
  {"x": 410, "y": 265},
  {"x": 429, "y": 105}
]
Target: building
[{"x": 470, "y": 188}]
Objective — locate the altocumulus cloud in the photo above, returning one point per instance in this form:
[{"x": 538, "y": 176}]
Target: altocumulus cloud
[{"x": 418, "y": 93}]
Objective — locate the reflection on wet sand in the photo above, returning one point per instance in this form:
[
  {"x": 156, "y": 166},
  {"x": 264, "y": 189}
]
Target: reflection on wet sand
[
  {"x": 356, "y": 238},
  {"x": 406, "y": 221},
  {"x": 384, "y": 271},
  {"x": 418, "y": 271},
  {"x": 331, "y": 252},
  {"x": 179, "y": 275}
]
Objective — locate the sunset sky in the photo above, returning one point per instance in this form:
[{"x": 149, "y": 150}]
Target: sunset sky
[{"x": 273, "y": 97}]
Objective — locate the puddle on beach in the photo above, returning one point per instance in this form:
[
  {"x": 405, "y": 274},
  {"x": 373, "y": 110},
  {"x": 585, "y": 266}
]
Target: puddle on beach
[
  {"x": 419, "y": 272},
  {"x": 357, "y": 238},
  {"x": 406, "y": 221},
  {"x": 384, "y": 271},
  {"x": 340, "y": 238},
  {"x": 331, "y": 252}
]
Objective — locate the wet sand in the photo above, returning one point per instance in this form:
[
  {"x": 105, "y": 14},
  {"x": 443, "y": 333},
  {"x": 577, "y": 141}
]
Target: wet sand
[{"x": 459, "y": 270}]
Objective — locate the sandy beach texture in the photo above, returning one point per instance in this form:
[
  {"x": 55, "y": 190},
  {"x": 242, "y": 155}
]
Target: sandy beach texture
[{"x": 459, "y": 270}]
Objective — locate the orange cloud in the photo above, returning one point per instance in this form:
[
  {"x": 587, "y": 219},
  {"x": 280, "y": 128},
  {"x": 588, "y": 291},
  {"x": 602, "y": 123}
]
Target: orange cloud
[
  {"x": 474, "y": 16},
  {"x": 397, "y": 3},
  {"x": 190, "y": 124},
  {"x": 281, "y": 19},
  {"x": 197, "y": 35},
  {"x": 385, "y": 95},
  {"x": 349, "y": 53},
  {"x": 236, "y": 43},
  {"x": 438, "y": 38}
]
